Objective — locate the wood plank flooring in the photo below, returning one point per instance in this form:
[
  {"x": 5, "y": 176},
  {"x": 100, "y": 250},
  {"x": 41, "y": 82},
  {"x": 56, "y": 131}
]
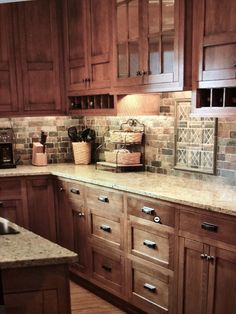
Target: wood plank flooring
[{"x": 85, "y": 302}]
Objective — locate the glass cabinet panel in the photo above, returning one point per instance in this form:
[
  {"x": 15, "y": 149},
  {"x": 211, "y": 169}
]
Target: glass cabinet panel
[
  {"x": 167, "y": 53},
  {"x": 133, "y": 17},
  {"x": 122, "y": 29},
  {"x": 154, "y": 56},
  {"x": 154, "y": 16},
  {"x": 168, "y": 15},
  {"x": 133, "y": 58}
]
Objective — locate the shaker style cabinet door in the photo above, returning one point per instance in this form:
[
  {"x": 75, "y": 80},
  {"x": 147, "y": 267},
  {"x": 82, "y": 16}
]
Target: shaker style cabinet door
[
  {"x": 9, "y": 101},
  {"x": 40, "y": 56},
  {"x": 87, "y": 28}
]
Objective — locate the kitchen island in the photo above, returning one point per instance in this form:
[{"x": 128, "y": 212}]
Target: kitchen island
[{"x": 34, "y": 273}]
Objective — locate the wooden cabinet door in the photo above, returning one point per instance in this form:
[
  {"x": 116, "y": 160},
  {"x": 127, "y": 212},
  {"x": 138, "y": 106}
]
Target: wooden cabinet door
[
  {"x": 222, "y": 281},
  {"x": 215, "y": 43},
  {"x": 99, "y": 42},
  {"x": 128, "y": 63},
  {"x": 9, "y": 101},
  {"x": 76, "y": 53},
  {"x": 41, "y": 207},
  {"x": 193, "y": 277},
  {"x": 40, "y": 56}
]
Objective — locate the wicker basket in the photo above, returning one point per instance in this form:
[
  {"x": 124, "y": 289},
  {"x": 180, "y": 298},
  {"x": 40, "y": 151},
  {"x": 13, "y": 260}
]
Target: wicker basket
[
  {"x": 125, "y": 137},
  {"x": 82, "y": 153},
  {"x": 123, "y": 156}
]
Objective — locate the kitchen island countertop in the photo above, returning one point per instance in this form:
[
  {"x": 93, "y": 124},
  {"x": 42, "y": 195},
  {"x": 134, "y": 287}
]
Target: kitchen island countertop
[
  {"x": 26, "y": 249},
  {"x": 212, "y": 196}
]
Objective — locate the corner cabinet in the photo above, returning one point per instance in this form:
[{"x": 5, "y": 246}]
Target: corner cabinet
[
  {"x": 31, "y": 59},
  {"x": 149, "y": 45},
  {"x": 214, "y": 58},
  {"x": 87, "y": 33}
]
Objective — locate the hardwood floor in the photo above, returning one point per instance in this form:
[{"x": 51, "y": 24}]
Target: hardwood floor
[{"x": 85, "y": 302}]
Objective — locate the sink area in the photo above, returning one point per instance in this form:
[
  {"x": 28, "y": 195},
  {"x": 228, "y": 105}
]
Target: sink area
[{"x": 5, "y": 228}]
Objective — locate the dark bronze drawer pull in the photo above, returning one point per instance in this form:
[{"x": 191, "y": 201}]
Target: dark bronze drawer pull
[
  {"x": 209, "y": 227},
  {"x": 105, "y": 228},
  {"x": 75, "y": 191},
  {"x": 148, "y": 210},
  {"x": 1, "y": 204},
  {"x": 107, "y": 268},
  {"x": 103, "y": 198},
  {"x": 149, "y": 287},
  {"x": 150, "y": 244}
]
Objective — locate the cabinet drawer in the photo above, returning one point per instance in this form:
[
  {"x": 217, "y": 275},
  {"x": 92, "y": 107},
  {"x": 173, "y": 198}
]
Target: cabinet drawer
[
  {"x": 150, "y": 289},
  {"x": 10, "y": 188},
  {"x": 105, "y": 199},
  {"x": 157, "y": 247},
  {"x": 106, "y": 230},
  {"x": 108, "y": 269},
  {"x": 208, "y": 226},
  {"x": 156, "y": 211}
]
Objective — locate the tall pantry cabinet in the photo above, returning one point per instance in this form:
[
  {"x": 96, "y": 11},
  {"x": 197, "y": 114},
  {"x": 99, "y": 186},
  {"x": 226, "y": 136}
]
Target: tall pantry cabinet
[{"x": 31, "y": 58}]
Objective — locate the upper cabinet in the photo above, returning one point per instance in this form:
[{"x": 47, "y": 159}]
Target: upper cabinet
[
  {"x": 149, "y": 44},
  {"x": 214, "y": 57},
  {"x": 30, "y": 59},
  {"x": 87, "y": 33}
]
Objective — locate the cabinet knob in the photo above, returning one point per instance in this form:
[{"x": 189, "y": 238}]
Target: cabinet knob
[
  {"x": 210, "y": 258},
  {"x": 107, "y": 268},
  {"x": 81, "y": 214},
  {"x": 203, "y": 256},
  {"x": 144, "y": 72},
  {"x": 138, "y": 73},
  {"x": 61, "y": 189},
  {"x": 1, "y": 204}
]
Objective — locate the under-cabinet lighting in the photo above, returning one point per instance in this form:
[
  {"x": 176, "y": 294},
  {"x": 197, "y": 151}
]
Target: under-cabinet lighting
[{"x": 11, "y": 1}]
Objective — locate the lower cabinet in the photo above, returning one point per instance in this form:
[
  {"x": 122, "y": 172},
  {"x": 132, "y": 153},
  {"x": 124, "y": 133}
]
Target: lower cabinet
[
  {"x": 41, "y": 207},
  {"x": 207, "y": 268}
]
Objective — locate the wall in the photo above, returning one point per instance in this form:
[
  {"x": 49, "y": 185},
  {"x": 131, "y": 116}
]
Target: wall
[{"x": 159, "y": 149}]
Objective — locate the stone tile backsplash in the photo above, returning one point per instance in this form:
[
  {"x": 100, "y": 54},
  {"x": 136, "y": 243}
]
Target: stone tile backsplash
[{"x": 159, "y": 138}]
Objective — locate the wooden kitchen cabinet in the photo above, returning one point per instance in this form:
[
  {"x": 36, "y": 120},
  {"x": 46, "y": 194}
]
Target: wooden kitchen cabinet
[
  {"x": 40, "y": 199},
  {"x": 72, "y": 221},
  {"x": 31, "y": 59},
  {"x": 149, "y": 45},
  {"x": 207, "y": 264},
  {"x": 87, "y": 28},
  {"x": 214, "y": 58}
]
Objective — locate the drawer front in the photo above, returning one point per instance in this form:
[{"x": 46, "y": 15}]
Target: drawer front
[
  {"x": 105, "y": 199},
  {"x": 208, "y": 226},
  {"x": 105, "y": 229},
  {"x": 75, "y": 191},
  {"x": 150, "y": 290},
  {"x": 108, "y": 270},
  {"x": 10, "y": 189},
  {"x": 151, "y": 246},
  {"x": 158, "y": 211}
]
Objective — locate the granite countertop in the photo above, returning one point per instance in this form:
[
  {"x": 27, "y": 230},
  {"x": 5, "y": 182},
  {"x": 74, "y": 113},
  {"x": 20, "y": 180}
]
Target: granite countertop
[
  {"x": 26, "y": 249},
  {"x": 211, "y": 196}
]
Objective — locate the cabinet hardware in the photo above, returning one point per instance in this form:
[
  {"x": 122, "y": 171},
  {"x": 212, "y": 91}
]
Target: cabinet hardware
[
  {"x": 61, "y": 189},
  {"x": 75, "y": 191},
  {"x": 107, "y": 268},
  {"x": 144, "y": 73},
  {"x": 149, "y": 287},
  {"x": 147, "y": 210},
  {"x": 150, "y": 244},
  {"x": 157, "y": 220},
  {"x": 105, "y": 228},
  {"x": 103, "y": 198},
  {"x": 203, "y": 256},
  {"x": 210, "y": 258},
  {"x": 80, "y": 214},
  {"x": 138, "y": 73},
  {"x": 209, "y": 227},
  {"x": 1, "y": 204}
]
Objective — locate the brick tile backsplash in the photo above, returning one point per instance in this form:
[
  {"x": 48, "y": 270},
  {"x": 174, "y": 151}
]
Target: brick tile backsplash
[{"x": 159, "y": 138}]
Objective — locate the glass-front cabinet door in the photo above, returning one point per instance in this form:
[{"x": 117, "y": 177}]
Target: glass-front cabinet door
[
  {"x": 128, "y": 42},
  {"x": 159, "y": 41}
]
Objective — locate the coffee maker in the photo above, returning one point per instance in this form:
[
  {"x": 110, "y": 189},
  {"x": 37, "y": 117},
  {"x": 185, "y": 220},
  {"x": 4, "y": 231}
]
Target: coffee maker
[{"x": 7, "y": 148}]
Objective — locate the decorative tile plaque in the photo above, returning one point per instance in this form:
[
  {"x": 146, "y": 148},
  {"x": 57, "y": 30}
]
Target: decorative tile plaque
[{"x": 195, "y": 140}]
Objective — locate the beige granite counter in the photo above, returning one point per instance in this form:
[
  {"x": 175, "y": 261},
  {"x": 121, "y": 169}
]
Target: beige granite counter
[
  {"x": 26, "y": 249},
  {"x": 210, "y": 196}
]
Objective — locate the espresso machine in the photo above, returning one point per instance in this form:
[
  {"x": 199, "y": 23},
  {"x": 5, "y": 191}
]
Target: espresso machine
[{"x": 7, "y": 148}]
